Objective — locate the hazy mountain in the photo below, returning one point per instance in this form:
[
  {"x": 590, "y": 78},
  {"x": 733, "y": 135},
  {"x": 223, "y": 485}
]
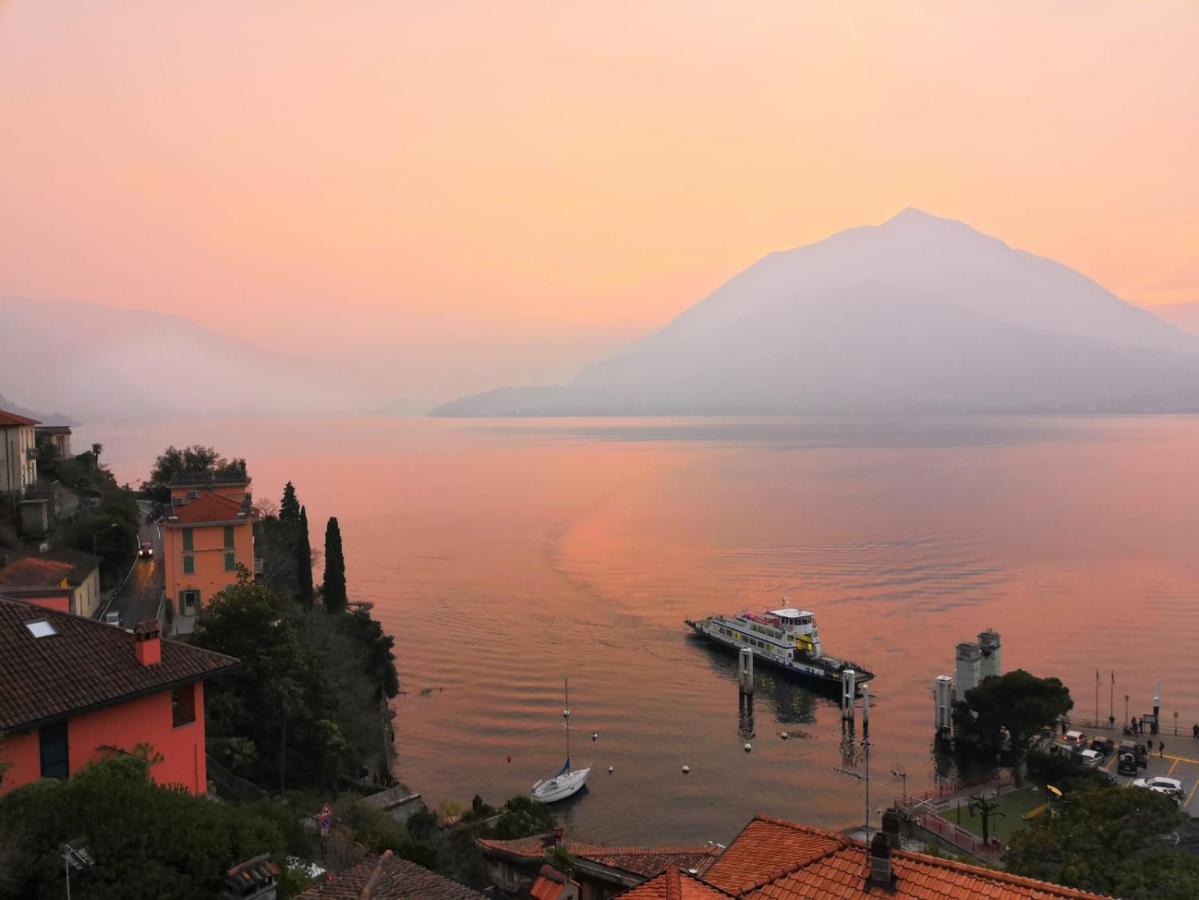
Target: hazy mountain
[
  {"x": 1180, "y": 315},
  {"x": 919, "y": 314},
  {"x": 102, "y": 364}
]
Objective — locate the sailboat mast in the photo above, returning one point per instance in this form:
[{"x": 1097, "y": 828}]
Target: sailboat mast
[{"x": 566, "y": 713}]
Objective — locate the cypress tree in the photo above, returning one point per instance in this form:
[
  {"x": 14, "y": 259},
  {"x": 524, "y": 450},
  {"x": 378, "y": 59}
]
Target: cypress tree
[
  {"x": 334, "y": 589},
  {"x": 304, "y": 562},
  {"x": 289, "y": 507}
]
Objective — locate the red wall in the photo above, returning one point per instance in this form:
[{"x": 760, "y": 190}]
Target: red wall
[
  {"x": 146, "y": 720},
  {"x": 57, "y": 601}
]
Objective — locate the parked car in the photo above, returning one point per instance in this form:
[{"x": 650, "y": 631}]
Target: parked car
[
  {"x": 1103, "y": 745},
  {"x": 1075, "y": 739},
  {"x": 1090, "y": 759},
  {"x": 1171, "y": 787},
  {"x": 1127, "y": 763},
  {"x": 112, "y": 617},
  {"x": 1140, "y": 754},
  {"x": 145, "y": 550}
]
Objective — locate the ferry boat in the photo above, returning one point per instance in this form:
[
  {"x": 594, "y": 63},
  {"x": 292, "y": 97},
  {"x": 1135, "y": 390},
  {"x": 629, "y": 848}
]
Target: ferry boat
[{"x": 786, "y": 638}]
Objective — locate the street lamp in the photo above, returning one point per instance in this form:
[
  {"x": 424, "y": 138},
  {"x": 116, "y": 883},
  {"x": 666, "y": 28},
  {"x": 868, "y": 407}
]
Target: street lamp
[{"x": 74, "y": 856}]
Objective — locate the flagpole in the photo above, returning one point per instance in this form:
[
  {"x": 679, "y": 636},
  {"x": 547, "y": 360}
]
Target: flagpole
[{"x": 1096, "y": 698}]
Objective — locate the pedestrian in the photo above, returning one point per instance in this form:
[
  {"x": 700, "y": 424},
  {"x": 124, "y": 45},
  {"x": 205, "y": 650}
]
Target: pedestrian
[
  {"x": 1161, "y": 748},
  {"x": 1195, "y": 731},
  {"x": 1134, "y": 725}
]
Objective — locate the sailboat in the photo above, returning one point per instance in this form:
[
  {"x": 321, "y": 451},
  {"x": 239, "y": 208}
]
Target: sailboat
[{"x": 568, "y": 781}]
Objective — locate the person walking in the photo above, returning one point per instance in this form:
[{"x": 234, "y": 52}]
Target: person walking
[
  {"x": 1195, "y": 731},
  {"x": 1161, "y": 748}
]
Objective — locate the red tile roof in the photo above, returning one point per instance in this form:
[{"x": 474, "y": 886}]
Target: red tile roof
[
  {"x": 774, "y": 859},
  {"x": 209, "y": 507},
  {"x": 8, "y": 419},
  {"x": 644, "y": 861},
  {"x": 551, "y": 884},
  {"x": 767, "y": 848},
  {"x": 390, "y": 878},
  {"x": 84, "y": 665},
  {"x": 46, "y": 569},
  {"x": 674, "y": 885}
]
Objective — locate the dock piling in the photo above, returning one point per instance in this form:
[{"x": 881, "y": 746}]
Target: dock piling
[{"x": 745, "y": 670}]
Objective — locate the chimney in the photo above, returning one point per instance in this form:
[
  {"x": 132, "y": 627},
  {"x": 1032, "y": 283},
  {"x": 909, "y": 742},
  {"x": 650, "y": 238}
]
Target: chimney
[
  {"x": 880, "y": 861},
  {"x": 891, "y": 827},
  {"x": 147, "y": 643}
]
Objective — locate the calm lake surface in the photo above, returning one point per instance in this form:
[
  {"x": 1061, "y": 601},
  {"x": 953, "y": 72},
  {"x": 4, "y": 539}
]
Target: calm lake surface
[{"x": 506, "y": 554}]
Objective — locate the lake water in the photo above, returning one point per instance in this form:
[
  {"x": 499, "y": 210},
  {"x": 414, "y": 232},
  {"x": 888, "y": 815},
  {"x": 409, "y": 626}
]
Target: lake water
[{"x": 506, "y": 555}]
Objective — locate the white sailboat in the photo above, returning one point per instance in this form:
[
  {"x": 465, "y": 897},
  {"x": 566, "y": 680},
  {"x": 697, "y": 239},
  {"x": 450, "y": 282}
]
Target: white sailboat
[{"x": 568, "y": 781}]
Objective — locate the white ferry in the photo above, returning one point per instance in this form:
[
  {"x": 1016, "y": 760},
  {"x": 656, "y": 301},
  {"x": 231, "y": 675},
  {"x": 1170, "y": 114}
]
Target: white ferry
[{"x": 786, "y": 638}]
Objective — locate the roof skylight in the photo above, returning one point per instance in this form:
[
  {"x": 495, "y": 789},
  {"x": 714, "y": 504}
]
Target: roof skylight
[{"x": 41, "y": 628}]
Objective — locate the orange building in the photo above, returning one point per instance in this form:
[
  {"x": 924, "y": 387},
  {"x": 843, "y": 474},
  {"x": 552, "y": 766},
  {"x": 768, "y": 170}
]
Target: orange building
[
  {"x": 208, "y": 534},
  {"x": 73, "y": 689}
]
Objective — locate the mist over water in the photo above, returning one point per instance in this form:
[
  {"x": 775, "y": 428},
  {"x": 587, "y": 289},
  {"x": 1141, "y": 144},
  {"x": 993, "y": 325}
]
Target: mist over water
[{"x": 504, "y": 555}]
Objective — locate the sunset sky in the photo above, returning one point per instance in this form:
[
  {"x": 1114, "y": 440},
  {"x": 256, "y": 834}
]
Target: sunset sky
[{"x": 459, "y": 195}]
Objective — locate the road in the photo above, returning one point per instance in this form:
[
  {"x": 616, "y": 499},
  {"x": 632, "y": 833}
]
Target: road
[{"x": 141, "y": 598}]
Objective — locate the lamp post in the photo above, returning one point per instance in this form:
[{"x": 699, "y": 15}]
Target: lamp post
[{"x": 1125, "y": 710}]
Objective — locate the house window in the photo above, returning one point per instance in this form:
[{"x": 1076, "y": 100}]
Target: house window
[
  {"x": 188, "y": 540},
  {"x": 183, "y": 705},
  {"x": 228, "y": 537},
  {"x": 54, "y": 751},
  {"x": 189, "y": 565},
  {"x": 188, "y": 602},
  {"x": 230, "y": 562}
]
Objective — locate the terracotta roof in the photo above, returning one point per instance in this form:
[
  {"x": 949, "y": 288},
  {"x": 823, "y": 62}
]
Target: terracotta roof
[
  {"x": 644, "y": 861},
  {"x": 390, "y": 878},
  {"x": 650, "y": 861},
  {"x": 674, "y": 885},
  {"x": 83, "y": 665},
  {"x": 551, "y": 884},
  {"x": 392, "y": 797},
  {"x": 209, "y": 507},
  {"x": 46, "y": 569},
  {"x": 774, "y": 859},
  {"x": 11, "y": 419}
]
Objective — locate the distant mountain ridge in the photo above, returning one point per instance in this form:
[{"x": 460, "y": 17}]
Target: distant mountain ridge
[
  {"x": 119, "y": 365},
  {"x": 919, "y": 314}
]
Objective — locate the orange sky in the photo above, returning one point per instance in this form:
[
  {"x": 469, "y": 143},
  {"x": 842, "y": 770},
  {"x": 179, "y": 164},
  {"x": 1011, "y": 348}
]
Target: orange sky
[{"x": 473, "y": 182}]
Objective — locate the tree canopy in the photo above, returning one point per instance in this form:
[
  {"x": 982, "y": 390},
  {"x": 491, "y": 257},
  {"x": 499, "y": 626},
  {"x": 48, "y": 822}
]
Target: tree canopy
[
  {"x": 197, "y": 459},
  {"x": 289, "y": 506},
  {"x": 302, "y": 550},
  {"x": 1111, "y": 840},
  {"x": 277, "y": 706},
  {"x": 333, "y": 588},
  {"x": 147, "y": 841},
  {"x": 1004, "y": 713},
  {"x": 306, "y": 705}
]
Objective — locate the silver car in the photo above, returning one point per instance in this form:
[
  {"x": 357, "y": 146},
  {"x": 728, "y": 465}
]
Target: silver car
[{"x": 1171, "y": 787}]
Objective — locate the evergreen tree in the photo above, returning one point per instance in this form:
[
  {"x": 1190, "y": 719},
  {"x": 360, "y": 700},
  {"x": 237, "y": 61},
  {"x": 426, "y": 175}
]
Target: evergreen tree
[
  {"x": 303, "y": 552},
  {"x": 289, "y": 507},
  {"x": 334, "y": 589}
]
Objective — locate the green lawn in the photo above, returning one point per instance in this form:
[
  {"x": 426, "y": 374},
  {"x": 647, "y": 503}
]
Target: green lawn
[{"x": 1013, "y": 805}]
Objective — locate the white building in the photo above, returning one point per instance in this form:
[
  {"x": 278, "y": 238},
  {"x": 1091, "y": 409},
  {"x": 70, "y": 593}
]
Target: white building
[{"x": 18, "y": 453}]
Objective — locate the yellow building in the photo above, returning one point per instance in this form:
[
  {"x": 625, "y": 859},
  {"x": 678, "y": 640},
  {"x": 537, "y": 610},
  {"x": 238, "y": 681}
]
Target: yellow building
[{"x": 207, "y": 536}]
